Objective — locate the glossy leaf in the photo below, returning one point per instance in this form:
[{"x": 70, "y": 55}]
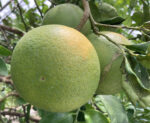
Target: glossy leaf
[
  {"x": 140, "y": 47},
  {"x": 93, "y": 116},
  {"x": 114, "y": 108},
  {"x": 138, "y": 91},
  {"x": 115, "y": 20},
  {"x": 102, "y": 11},
  {"x": 57, "y": 118},
  {"x": 4, "y": 51},
  {"x": 138, "y": 18},
  {"x": 3, "y": 68}
]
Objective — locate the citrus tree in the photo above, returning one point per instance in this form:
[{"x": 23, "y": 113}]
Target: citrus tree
[{"x": 75, "y": 61}]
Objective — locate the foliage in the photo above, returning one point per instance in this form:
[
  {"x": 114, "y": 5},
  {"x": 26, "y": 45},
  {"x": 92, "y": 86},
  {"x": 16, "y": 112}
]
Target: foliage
[{"x": 119, "y": 108}]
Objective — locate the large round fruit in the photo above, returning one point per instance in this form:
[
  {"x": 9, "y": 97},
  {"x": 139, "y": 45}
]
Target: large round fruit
[
  {"x": 110, "y": 61},
  {"x": 116, "y": 37},
  {"x": 55, "y": 68},
  {"x": 67, "y": 14}
]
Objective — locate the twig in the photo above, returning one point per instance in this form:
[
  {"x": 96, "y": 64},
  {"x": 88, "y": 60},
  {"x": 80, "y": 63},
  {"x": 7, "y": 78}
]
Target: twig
[
  {"x": 52, "y": 2},
  {"x": 4, "y": 34},
  {"x": 34, "y": 119},
  {"x": 6, "y": 79},
  {"x": 10, "y": 29},
  {"x": 20, "y": 11},
  {"x": 38, "y": 8},
  {"x": 6, "y": 5},
  {"x": 8, "y": 14},
  {"x": 8, "y": 95},
  {"x": 11, "y": 11},
  {"x": 86, "y": 14},
  {"x": 76, "y": 118}
]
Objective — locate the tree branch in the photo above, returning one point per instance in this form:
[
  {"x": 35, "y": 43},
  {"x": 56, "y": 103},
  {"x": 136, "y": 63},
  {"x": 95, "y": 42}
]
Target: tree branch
[
  {"x": 20, "y": 11},
  {"x": 16, "y": 31},
  {"x": 38, "y": 8},
  {"x": 6, "y": 79},
  {"x": 6, "y": 5},
  {"x": 4, "y": 34},
  {"x": 86, "y": 14},
  {"x": 8, "y": 95},
  {"x": 35, "y": 119}
]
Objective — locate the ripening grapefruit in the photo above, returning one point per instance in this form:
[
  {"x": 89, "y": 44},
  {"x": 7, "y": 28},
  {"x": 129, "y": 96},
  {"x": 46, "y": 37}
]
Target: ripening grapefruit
[
  {"x": 55, "y": 68},
  {"x": 68, "y": 15}
]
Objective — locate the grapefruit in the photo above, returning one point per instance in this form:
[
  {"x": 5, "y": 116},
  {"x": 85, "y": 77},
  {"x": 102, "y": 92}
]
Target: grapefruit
[
  {"x": 110, "y": 58},
  {"x": 55, "y": 68},
  {"x": 67, "y": 14}
]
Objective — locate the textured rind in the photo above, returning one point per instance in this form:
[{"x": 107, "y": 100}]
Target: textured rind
[
  {"x": 55, "y": 68},
  {"x": 118, "y": 38},
  {"x": 110, "y": 82},
  {"x": 68, "y": 15}
]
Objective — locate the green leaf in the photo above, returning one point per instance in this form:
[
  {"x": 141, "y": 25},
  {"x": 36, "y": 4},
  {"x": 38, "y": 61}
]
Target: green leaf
[
  {"x": 114, "y": 108},
  {"x": 3, "y": 68},
  {"x": 56, "y": 118},
  {"x": 115, "y": 20},
  {"x": 140, "y": 47},
  {"x": 138, "y": 18},
  {"x": 146, "y": 11},
  {"x": 4, "y": 51},
  {"x": 133, "y": 74},
  {"x": 2, "y": 105},
  {"x": 136, "y": 90},
  {"x": 133, "y": 3},
  {"x": 140, "y": 71},
  {"x": 102, "y": 11},
  {"x": 26, "y": 1},
  {"x": 93, "y": 116}
]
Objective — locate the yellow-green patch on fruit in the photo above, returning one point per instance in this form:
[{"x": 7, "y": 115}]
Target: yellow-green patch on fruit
[
  {"x": 67, "y": 14},
  {"x": 116, "y": 37},
  {"x": 55, "y": 68},
  {"x": 110, "y": 58}
]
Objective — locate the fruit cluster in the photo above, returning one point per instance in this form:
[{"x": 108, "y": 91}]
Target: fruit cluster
[{"x": 58, "y": 69}]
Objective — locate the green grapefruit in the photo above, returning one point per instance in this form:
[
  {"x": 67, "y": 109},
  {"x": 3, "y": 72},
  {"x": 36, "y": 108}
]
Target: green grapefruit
[
  {"x": 110, "y": 58},
  {"x": 55, "y": 68},
  {"x": 67, "y": 14}
]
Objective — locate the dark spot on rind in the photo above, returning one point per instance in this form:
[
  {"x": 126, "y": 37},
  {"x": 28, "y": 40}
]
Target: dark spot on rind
[{"x": 42, "y": 78}]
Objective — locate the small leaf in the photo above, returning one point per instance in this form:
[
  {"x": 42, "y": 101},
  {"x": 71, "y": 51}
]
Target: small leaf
[
  {"x": 146, "y": 11},
  {"x": 140, "y": 47},
  {"x": 56, "y": 118},
  {"x": 137, "y": 90},
  {"x": 133, "y": 74},
  {"x": 115, "y": 20},
  {"x": 93, "y": 116},
  {"x": 102, "y": 11},
  {"x": 114, "y": 108},
  {"x": 3, "y": 68},
  {"x": 133, "y": 3},
  {"x": 4, "y": 51},
  {"x": 138, "y": 18},
  {"x": 26, "y": 1}
]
